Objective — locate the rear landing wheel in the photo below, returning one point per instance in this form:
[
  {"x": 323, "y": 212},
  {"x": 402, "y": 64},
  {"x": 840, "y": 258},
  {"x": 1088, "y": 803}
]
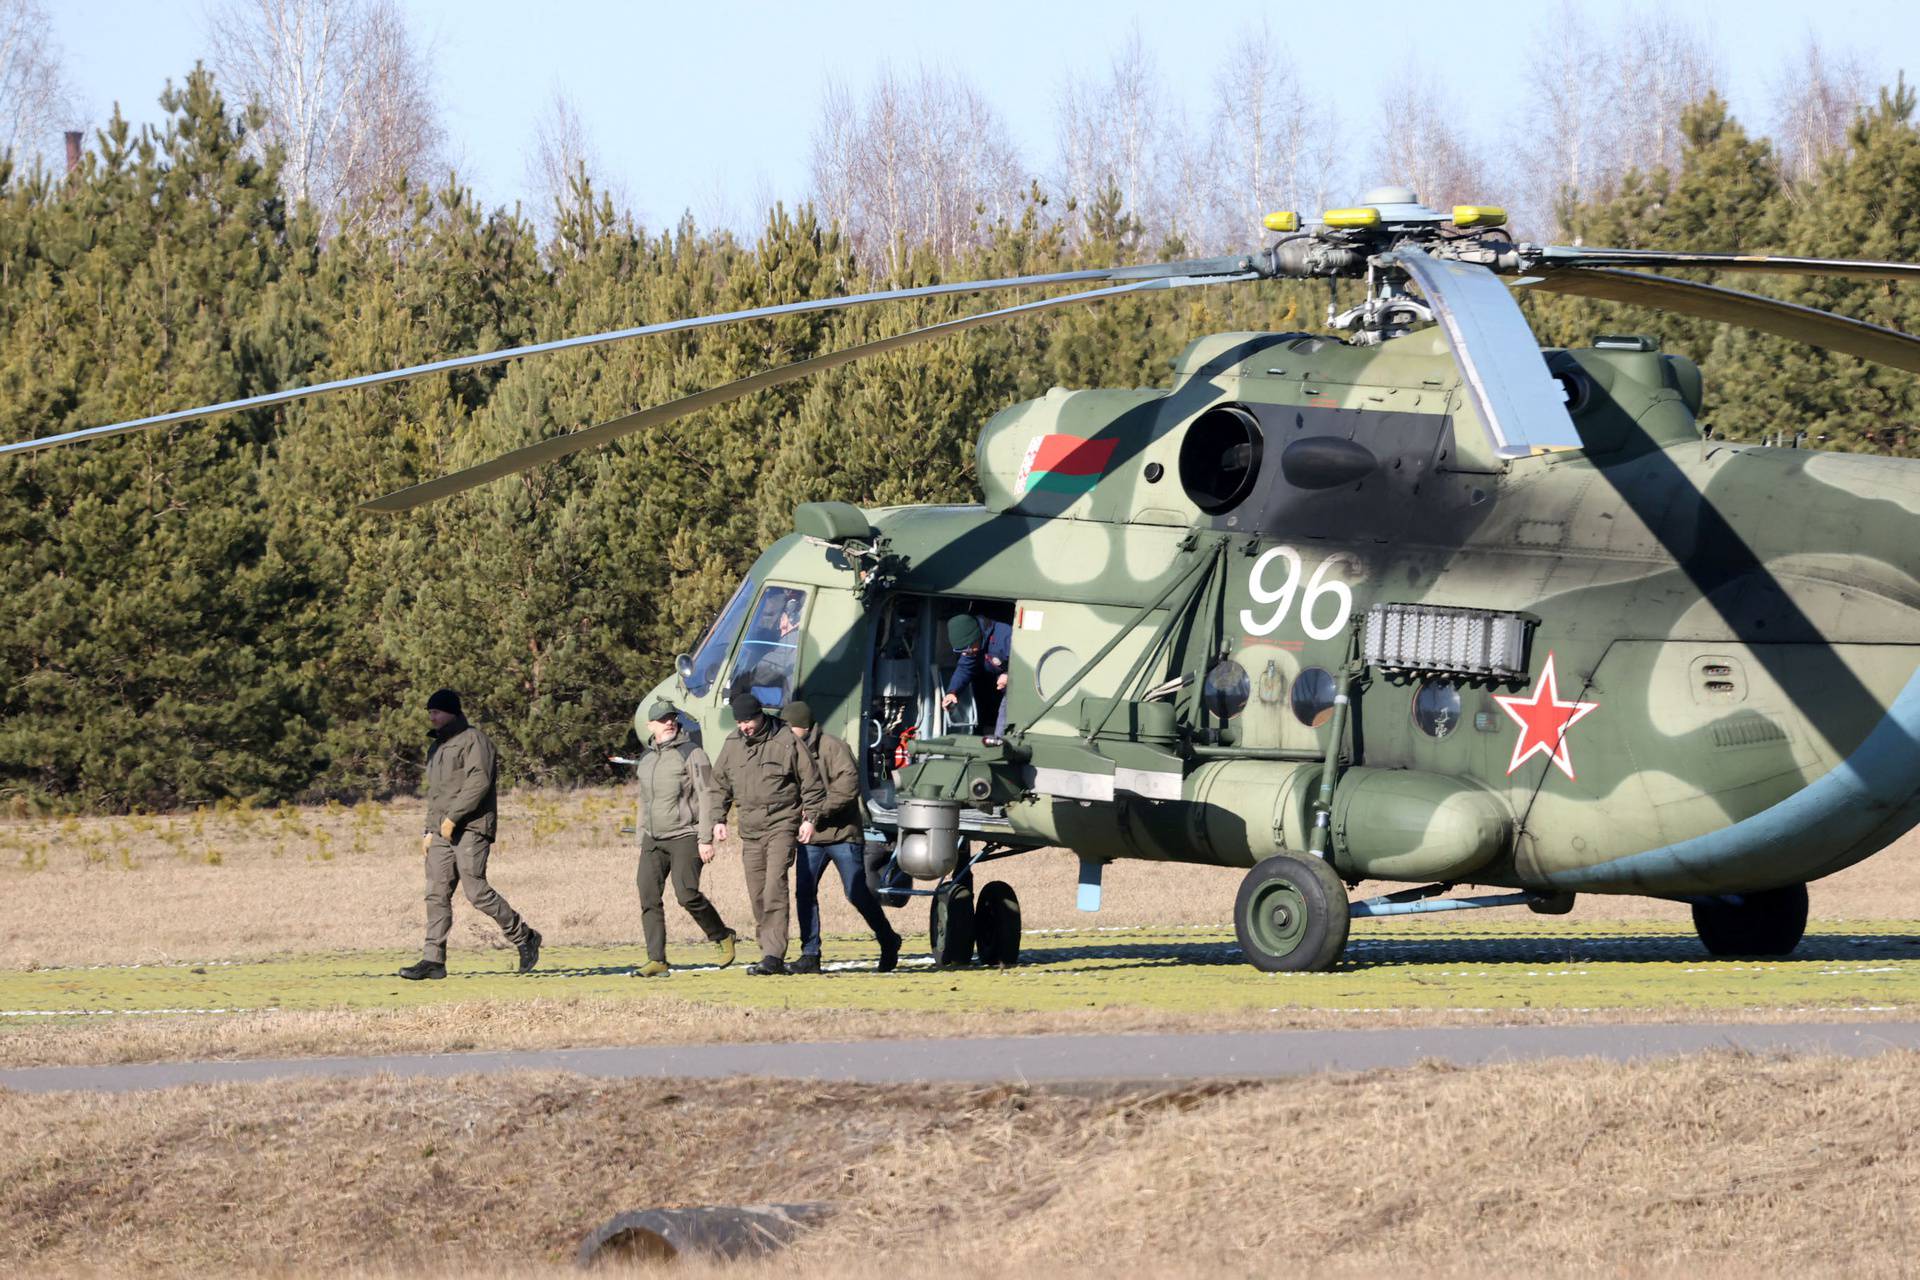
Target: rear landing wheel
[
  {"x": 950, "y": 924},
  {"x": 1767, "y": 923},
  {"x": 1291, "y": 915},
  {"x": 996, "y": 925}
]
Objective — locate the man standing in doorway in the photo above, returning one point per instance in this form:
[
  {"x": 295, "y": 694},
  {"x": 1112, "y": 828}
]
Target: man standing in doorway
[
  {"x": 984, "y": 647},
  {"x": 461, "y": 822},
  {"x": 838, "y": 838},
  {"x": 675, "y": 810},
  {"x": 771, "y": 775}
]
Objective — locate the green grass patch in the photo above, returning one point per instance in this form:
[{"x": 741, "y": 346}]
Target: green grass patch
[{"x": 1630, "y": 966}]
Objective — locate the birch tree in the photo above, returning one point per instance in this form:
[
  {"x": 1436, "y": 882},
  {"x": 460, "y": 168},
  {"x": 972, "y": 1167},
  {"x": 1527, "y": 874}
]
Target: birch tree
[
  {"x": 35, "y": 102},
  {"x": 1269, "y": 147},
  {"x": 1816, "y": 98},
  {"x": 348, "y": 98}
]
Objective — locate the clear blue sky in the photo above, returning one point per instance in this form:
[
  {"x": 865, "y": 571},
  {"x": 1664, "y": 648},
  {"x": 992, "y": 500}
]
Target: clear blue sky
[{"x": 705, "y": 105}]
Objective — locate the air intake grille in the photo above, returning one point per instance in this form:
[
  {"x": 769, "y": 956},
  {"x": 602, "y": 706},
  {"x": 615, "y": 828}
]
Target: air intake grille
[{"x": 1470, "y": 642}]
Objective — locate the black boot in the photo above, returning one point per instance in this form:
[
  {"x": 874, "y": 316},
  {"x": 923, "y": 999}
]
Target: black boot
[
  {"x": 889, "y": 954},
  {"x": 805, "y": 964},
  {"x": 766, "y": 965},
  {"x": 530, "y": 949},
  {"x": 424, "y": 969}
]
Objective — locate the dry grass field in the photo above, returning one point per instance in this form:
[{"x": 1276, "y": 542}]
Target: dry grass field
[
  {"x": 1716, "y": 1165},
  {"x": 233, "y": 883}
]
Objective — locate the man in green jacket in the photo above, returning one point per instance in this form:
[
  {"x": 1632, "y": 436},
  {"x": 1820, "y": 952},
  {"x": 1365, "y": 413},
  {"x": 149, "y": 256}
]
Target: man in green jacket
[
  {"x": 461, "y": 823},
  {"x": 675, "y": 810},
  {"x": 766, "y": 769},
  {"x": 839, "y": 837}
]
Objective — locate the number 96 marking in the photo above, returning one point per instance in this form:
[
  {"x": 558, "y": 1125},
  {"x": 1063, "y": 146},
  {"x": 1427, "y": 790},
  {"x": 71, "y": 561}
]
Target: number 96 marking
[{"x": 1281, "y": 597}]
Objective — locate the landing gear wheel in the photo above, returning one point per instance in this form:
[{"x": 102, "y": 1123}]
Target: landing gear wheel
[
  {"x": 1291, "y": 915},
  {"x": 996, "y": 925},
  {"x": 950, "y": 925},
  {"x": 1767, "y": 923}
]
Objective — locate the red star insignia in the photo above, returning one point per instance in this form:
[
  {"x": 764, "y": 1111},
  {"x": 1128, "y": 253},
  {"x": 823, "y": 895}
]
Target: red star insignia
[{"x": 1544, "y": 720}]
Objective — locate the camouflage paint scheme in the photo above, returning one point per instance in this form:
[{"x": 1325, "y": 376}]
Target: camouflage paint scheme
[{"x": 1741, "y": 620}]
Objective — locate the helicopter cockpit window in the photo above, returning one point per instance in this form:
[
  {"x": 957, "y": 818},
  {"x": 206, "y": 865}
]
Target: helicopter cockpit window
[
  {"x": 719, "y": 638},
  {"x": 770, "y": 651},
  {"x": 1220, "y": 458}
]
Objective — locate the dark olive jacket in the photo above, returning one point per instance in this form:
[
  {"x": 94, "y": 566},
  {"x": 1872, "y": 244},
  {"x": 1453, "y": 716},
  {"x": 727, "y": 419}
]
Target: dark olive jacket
[
  {"x": 843, "y": 818},
  {"x": 461, "y": 769},
  {"x": 770, "y": 775},
  {"x": 676, "y": 790}
]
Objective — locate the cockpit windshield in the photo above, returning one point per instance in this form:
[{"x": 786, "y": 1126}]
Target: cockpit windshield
[
  {"x": 770, "y": 651},
  {"x": 719, "y": 638}
]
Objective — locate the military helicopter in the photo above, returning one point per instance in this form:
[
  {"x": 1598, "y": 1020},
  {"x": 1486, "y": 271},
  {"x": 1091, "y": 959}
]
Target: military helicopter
[{"x": 1415, "y": 601}]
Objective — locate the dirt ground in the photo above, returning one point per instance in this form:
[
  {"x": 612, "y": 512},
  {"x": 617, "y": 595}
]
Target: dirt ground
[
  {"x": 230, "y": 884},
  {"x": 1717, "y": 1165}
]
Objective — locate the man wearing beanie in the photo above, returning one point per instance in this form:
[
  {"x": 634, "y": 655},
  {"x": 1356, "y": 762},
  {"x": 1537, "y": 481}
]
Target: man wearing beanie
[
  {"x": 461, "y": 822},
  {"x": 766, "y": 770},
  {"x": 675, "y": 811},
  {"x": 838, "y": 838},
  {"x": 984, "y": 647}
]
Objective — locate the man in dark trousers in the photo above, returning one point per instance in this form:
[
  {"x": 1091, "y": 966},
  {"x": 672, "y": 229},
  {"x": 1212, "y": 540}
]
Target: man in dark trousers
[
  {"x": 674, "y": 812},
  {"x": 461, "y": 822},
  {"x": 771, "y": 775},
  {"x": 838, "y": 838},
  {"x": 984, "y": 646}
]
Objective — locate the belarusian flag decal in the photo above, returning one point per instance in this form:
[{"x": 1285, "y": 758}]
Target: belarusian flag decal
[{"x": 1064, "y": 464}]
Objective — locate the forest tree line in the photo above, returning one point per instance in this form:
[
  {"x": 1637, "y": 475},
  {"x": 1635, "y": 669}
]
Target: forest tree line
[{"x": 201, "y": 612}]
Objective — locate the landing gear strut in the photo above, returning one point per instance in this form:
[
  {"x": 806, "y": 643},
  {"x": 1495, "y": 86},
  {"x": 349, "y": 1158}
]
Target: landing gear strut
[
  {"x": 1291, "y": 915},
  {"x": 1767, "y": 923}
]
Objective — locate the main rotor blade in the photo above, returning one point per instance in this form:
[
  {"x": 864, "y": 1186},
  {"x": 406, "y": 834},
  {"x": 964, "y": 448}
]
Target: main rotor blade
[
  {"x": 551, "y": 450},
  {"x": 1522, "y": 406},
  {"x": 1195, "y": 267},
  {"x": 1748, "y": 310},
  {"x": 1558, "y": 256}
]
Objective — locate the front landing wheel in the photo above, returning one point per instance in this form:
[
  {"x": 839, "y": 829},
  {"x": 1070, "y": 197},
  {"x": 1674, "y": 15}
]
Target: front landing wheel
[
  {"x": 1768, "y": 923},
  {"x": 950, "y": 924},
  {"x": 1291, "y": 915}
]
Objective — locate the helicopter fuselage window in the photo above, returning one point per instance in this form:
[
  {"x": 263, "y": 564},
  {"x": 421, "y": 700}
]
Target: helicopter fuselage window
[
  {"x": 1220, "y": 458},
  {"x": 1436, "y": 708},
  {"x": 769, "y": 655},
  {"x": 1313, "y": 691},
  {"x": 713, "y": 647}
]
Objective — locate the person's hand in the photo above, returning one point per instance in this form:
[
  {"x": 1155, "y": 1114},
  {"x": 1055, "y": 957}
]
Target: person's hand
[
  {"x": 706, "y": 853},
  {"x": 446, "y": 829},
  {"x": 950, "y": 699},
  {"x": 1001, "y": 683},
  {"x": 426, "y": 841},
  {"x": 719, "y": 832},
  {"x": 806, "y": 833}
]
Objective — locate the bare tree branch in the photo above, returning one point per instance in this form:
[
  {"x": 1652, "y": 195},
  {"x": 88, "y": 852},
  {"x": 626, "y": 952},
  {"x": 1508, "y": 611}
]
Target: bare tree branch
[
  {"x": 347, "y": 97},
  {"x": 1815, "y": 98},
  {"x": 35, "y": 101}
]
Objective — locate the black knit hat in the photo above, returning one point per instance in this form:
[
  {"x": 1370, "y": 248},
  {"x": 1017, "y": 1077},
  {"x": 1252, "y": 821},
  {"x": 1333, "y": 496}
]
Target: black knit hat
[
  {"x": 744, "y": 707},
  {"x": 445, "y": 700}
]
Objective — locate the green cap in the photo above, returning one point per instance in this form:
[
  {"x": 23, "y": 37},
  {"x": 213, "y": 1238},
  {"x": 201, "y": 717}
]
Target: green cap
[
  {"x": 963, "y": 632},
  {"x": 798, "y": 714},
  {"x": 660, "y": 709}
]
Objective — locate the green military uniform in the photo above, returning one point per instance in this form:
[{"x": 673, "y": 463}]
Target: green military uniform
[
  {"x": 461, "y": 768},
  {"x": 774, "y": 781},
  {"x": 675, "y": 815}
]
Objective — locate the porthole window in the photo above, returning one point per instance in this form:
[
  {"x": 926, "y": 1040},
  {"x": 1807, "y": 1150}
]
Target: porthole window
[
  {"x": 1055, "y": 668},
  {"x": 1313, "y": 691},
  {"x": 1220, "y": 458},
  {"x": 1227, "y": 689},
  {"x": 1436, "y": 708}
]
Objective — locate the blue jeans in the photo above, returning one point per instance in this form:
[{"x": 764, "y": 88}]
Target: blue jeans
[{"x": 810, "y": 867}]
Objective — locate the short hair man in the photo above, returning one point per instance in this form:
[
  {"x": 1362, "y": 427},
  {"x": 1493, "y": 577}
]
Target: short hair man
[
  {"x": 838, "y": 838},
  {"x": 770, "y": 774},
  {"x": 675, "y": 811},
  {"x": 462, "y": 819},
  {"x": 985, "y": 647}
]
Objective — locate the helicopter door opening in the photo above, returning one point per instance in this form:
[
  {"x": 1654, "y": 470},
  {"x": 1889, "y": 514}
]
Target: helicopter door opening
[
  {"x": 913, "y": 663},
  {"x": 767, "y": 664}
]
